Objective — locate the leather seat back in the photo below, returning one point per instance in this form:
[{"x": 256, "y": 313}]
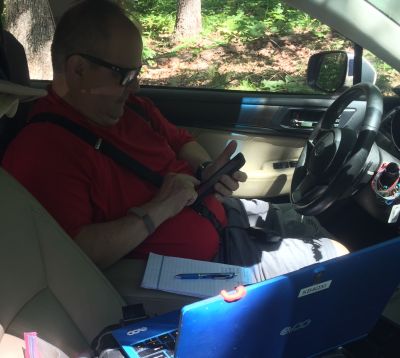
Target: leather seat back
[{"x": 47, "y": 284}]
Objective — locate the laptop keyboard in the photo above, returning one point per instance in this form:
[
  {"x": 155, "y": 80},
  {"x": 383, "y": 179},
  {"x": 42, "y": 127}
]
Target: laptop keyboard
[{"x": 162, "y": 346}]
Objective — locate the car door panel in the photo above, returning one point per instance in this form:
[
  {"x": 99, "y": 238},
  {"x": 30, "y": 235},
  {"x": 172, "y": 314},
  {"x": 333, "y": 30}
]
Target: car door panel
[
  {"x": 271, "y": 130},
  {"x": 243, "y": 111},
  {"x": 270, "y": 160}
]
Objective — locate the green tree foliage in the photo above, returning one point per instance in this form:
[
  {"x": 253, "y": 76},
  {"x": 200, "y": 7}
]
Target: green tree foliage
[
  {"x": 244, "y": 17},
  {"x": 237, "y": 29}
]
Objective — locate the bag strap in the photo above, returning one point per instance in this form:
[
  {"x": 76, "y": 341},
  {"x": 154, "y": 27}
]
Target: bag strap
[{"x": 119, "y": 156}]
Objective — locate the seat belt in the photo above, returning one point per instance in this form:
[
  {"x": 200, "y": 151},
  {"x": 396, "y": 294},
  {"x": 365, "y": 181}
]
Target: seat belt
[{"x": 100, "y": 145}]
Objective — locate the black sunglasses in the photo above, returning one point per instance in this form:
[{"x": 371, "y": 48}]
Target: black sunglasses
[{"x": 128, "y": 75}]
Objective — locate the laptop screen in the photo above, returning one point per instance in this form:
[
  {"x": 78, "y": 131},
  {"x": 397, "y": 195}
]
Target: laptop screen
[{"x": 300, "y": 314}]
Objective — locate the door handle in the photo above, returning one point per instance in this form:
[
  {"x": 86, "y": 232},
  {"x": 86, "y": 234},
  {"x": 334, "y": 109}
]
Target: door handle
[{"x": 303, "y": 124}]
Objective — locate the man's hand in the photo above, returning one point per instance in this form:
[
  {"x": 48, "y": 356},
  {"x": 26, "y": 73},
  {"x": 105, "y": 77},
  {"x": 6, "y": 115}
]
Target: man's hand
[
  {"x": 227, "y": 184},
  {"x": 176, "y": 192}
]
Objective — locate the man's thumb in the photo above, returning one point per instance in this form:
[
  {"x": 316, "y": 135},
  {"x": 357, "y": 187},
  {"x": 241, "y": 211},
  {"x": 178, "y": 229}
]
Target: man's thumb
[{"x": 226, "y": 154}]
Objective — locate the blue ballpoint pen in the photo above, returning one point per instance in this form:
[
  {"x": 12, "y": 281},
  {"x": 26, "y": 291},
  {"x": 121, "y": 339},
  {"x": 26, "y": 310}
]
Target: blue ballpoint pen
[{"x": 213, "y": 276}]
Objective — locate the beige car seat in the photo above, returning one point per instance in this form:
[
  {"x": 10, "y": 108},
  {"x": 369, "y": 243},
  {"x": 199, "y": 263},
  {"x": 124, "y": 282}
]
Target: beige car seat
[{"x": 47, "y": 284}]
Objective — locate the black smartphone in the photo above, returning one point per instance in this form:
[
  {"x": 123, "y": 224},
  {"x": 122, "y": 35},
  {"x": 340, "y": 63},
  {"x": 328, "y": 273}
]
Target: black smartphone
[{"x": 229, "y": 168}]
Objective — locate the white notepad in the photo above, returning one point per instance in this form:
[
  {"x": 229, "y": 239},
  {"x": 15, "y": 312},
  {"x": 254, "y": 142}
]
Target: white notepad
[{"x": 161, "y": 270}]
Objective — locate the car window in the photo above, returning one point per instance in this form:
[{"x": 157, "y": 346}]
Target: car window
[
  {"x": 31, "y": 22},
  {"x": 388, "y": 7},
  {"x": 260, "y": 45},
  {"x": 253, "y": 46},
  {"x": 387, "y": 77}
]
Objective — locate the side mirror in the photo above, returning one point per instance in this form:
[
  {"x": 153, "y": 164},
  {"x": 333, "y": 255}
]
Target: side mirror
[
  {"x": 327, "y": 70},
  {"x": 330, "y": 71}
]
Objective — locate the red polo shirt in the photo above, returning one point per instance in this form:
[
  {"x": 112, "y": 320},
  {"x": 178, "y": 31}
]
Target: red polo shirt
[{"x": 80, "y": 186}]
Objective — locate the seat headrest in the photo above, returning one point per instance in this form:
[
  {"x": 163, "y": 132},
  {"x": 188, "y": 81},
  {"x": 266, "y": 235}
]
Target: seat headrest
[{"x": 7, "y": 85}]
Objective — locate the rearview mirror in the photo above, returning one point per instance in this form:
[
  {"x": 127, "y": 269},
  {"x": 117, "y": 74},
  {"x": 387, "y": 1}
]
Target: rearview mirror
[{"x": 327, "y": 70}]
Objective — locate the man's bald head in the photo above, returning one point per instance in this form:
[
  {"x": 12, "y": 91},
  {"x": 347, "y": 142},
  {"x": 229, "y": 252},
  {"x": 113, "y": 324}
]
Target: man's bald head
[{"x": 88, "y": 28}]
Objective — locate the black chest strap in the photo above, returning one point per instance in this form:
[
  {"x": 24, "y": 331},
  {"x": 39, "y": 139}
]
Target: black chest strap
[{"x": 101, "y": 145}]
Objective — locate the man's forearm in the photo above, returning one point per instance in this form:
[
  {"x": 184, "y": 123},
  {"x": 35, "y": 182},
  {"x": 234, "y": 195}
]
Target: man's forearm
[
  {"x": 105, "y": 243},
  {"x": 194, "y": 154}
]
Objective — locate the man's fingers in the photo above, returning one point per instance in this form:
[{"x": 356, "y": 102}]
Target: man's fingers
[
  {"x": 184, "y": 179},
  {"x": 240, "y": 176},
  {"x": 222, "y": 189},
  {"x": 226, "y": 154},
  {"x": 229, "y": 182},
  {"x": 192, "y": 196}
]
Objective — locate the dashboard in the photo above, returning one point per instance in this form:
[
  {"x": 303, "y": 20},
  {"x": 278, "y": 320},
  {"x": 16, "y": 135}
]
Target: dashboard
[
  {"x": 388, "y": 137},
  {"x": 379, "y": 198}
]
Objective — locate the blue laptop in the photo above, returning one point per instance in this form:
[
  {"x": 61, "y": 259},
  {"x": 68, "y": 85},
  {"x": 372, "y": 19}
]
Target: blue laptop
[{"x": 300, "y": 314}]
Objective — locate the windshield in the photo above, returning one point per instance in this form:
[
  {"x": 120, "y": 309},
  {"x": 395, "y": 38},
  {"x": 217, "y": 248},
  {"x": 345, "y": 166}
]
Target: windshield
[{"x": 390, "y": 8}]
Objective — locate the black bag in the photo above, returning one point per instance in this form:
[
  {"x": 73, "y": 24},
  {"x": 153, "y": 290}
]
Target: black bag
[{"x": 242, "y": 244}]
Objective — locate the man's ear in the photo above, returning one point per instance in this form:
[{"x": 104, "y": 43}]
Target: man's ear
[{"x": 75, "y": 68}]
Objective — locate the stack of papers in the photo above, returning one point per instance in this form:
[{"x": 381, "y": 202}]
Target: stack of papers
[{"x": 161, "y": 274}]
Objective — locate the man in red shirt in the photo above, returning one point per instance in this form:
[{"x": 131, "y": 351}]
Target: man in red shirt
[
  {"x": 108, "y": 210},
  {"x": 88, "y": 193}
]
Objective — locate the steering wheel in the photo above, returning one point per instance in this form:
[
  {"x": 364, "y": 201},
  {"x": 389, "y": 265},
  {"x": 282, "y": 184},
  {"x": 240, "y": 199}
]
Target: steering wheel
[{"x": 334, "y": 160}]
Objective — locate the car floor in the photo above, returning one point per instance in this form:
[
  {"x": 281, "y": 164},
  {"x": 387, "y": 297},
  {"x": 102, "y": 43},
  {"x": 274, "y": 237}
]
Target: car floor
[
  {"x": 382, "y": 342},
  {"x": 354, "y": 227}
]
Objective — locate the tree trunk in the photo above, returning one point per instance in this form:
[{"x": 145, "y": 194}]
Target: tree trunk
[
  {"x": 188, "y": 19},
  {"x": 31, "y": 22}
]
